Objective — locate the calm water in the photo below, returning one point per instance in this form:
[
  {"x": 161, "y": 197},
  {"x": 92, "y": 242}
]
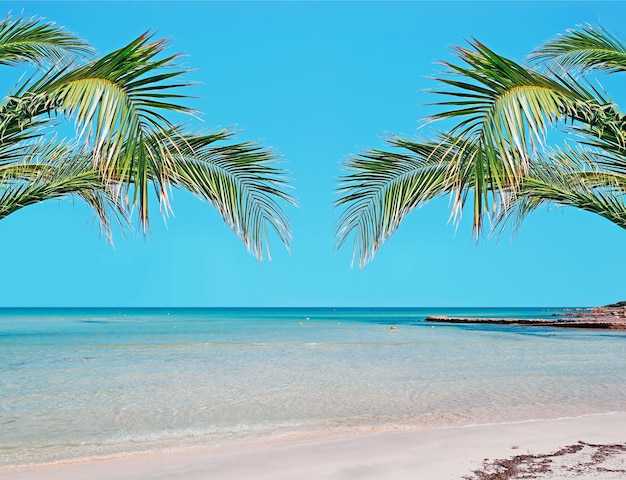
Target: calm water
[{"x": 91, "y": 383}]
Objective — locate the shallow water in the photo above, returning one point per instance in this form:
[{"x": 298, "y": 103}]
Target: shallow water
[{"x": 92, "y": 383}]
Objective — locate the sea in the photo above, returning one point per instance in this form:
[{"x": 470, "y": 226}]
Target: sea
[{"x": 81, "y": 384}]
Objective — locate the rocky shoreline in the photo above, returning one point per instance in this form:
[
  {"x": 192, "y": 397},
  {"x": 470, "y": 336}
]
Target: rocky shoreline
[{"x": 609, "y": 317}]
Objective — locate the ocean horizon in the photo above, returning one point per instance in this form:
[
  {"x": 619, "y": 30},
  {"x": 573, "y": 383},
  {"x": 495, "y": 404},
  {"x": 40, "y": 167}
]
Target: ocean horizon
[{"x": 80, "y": 383}]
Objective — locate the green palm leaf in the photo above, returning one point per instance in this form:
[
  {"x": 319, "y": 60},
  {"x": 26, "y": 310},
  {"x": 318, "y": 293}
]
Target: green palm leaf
[
  {"x": 494, "y": 151},
  {"x": 57, "y": 171},
  {"x": 381, "y": 188},
  {"x": 503, "y": 110},
  {"x": 585, "y": 49},
  {"x": 122, "y": 104},
  {"x": 31, "y": 40},
  {"x": 241, "y": 181},
  {"x": 569, "y": 178},
  {"x": 119, "y": 101}
]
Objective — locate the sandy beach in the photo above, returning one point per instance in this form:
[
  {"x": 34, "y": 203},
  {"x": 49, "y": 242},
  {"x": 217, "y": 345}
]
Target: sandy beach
[
  {"x": 445, "y": 453},
  {"x": 255, "y": 394}
]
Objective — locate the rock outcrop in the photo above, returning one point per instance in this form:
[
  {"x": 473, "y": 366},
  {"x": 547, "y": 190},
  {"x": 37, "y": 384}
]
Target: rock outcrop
[{"x": 609, "y": 317}]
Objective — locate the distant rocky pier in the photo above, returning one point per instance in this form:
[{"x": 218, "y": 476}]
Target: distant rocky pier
[{"x": 610, "y": 317}]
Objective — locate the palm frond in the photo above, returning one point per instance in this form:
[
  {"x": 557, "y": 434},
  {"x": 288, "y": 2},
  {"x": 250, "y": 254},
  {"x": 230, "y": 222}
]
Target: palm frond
[
  {"x": 501, "y": 99},
  {"x": 118, "y": 102},
  {"x": 503, "y": 110},
  {"x": 55, "y": 170},
  {"x": 568, "y": 178},
  {"x": 35, "y": 41},
  {"x": 21, "y": 121},
  {"x": 123, "y": 104},
  {"x": 588, "y": 48},
  {"x": 602, "y": 127},
  {"x": 240, "y": 180},
  {"x": 381, "y": 188}
]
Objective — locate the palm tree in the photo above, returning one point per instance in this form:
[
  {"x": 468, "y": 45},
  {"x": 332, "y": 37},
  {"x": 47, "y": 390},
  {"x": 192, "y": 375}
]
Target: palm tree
[
  {"x": 496, "y": 153},
  {"x": 125, "y": 144}
]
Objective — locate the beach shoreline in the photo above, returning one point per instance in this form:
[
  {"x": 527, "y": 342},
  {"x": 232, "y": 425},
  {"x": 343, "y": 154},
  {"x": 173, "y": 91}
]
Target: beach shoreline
[
  {"x": 437, "y": 453},
  {"x": 280, "y": 394}
]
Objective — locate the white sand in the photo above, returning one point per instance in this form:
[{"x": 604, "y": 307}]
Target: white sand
[{"x": 448, "y": 453}]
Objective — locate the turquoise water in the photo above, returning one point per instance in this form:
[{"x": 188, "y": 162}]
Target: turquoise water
[{"x": 93, "y": 383}]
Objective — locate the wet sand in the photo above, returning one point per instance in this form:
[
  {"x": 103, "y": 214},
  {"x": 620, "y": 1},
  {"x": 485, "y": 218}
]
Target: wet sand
[{"x": 474, "y": 452}]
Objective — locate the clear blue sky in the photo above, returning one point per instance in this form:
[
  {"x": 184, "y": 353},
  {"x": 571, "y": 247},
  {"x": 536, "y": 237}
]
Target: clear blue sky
[{"x": 317, "y": 81}]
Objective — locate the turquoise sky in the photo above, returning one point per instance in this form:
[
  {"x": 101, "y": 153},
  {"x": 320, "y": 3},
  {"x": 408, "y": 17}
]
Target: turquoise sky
[{"x": 318, "y": 82}]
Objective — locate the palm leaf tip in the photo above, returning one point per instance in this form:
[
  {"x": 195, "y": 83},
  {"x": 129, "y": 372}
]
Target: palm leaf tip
[
  {"x": 380, "y": 188},
  {"x": 569, "y": 177},
  {"x": 50, "y": 170},
  {"x": 38, "y": 42},
  {"x": 584, "y": 48},
  {"x": 243, "y": 182}
]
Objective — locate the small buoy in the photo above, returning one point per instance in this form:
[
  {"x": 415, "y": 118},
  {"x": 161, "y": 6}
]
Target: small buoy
[
  {"x": 393, "y": 327},
  {"x": 299, "y": 323},
  {"x": 432, "y": 326},
  {"x": 307, "y": 318}
]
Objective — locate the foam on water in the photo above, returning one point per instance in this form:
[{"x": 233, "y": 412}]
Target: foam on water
[{"x": 77, "y": 384}]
